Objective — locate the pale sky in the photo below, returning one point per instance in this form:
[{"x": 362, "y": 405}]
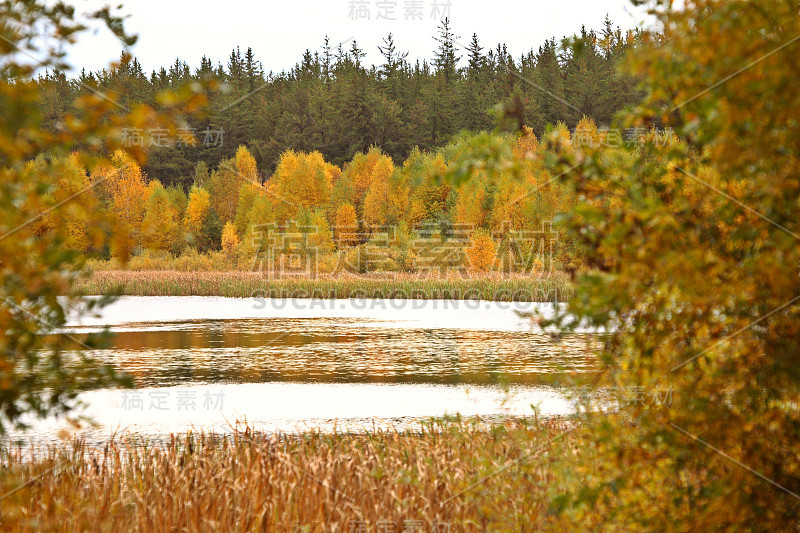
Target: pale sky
[{"x": 280, "y": 31}]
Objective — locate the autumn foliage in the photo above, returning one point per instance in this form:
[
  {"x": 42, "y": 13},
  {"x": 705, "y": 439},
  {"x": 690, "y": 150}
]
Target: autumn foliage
[
  {"x": 371, "y": 202},
  {"x": 481, "y": 252},
  {"x": 695, "y": 246},
  {"x": 66, "y": 194}
]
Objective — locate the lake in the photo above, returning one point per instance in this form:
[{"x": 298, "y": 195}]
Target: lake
[{"x": 208, "y": 363}]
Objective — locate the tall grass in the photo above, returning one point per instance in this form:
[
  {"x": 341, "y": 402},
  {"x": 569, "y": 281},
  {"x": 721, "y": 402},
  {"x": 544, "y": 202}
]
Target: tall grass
[
  {"x": 461, "y": 474},
  {"x": 242, "y": 284}
]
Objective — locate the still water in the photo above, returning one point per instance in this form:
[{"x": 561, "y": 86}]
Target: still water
[{"x": 205, "y": 363}]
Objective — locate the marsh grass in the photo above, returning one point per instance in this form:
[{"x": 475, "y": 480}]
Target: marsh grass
[
  {"x": 243, "y": 284},
  {"x": 464, "y": 474}
]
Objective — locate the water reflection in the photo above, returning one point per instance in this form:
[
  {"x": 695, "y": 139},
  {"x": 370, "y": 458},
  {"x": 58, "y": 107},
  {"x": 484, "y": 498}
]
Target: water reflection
[
  {"x": 341, "y": 351},
  {"x": 285, "y": 368}
]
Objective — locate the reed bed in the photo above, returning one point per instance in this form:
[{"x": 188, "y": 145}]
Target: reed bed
[
  {"x": 453, "y": 475},
  {"x": 242, "y": 284}
]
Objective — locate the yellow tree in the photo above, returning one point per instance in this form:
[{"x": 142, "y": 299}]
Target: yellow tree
[
  {"x": 511, "y": 202},
  {"x": 342, "y": 192},
  {"x": 71, "y": 179},
  {"x": 386, "y": 202},
  {"x": 481, "y": 251},
  {"x": 262, "y": 212},
  {"x": 246, "y": 165},
  {"x": 527, "y": 144},
  {"x": 196, "y": 211},
  {"x": 587, "y": 135},
  {"x": 248, "y": 192},
  {"x": 474, "y": 202},
  {"x": 260, "y": 215},
  {"x": 300, "y": 181},
  {"x": 366, "y": 169},
  {"x": 125, "y": 189},
  {"x": 321, "y": 238},
  {"x": 560, "y": 139},
  {"x": 201, "y": 221},
  {"x": 161, "y": 224},
  {"x": 178, "y": 199},
  {"x": 332, "y": 173},
  {"x": 230, "y": 240},
  {"x": 346, "y": 228},
  {"x": 430, "y": 193},
  {"x": 223, "y": 188},
  {"x": 376, "y": 204},
  {"x": 225, "y": 185}
]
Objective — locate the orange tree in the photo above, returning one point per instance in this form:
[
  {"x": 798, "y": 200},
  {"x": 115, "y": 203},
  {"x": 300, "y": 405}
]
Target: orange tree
[
  {"x": 36, "y": 267},
  {"x": 695, "y": 246}
]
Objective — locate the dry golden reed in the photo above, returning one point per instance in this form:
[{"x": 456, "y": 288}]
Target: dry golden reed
[
  {"x": 457, "y": 475},
  {"x": 243, "y": 284}
]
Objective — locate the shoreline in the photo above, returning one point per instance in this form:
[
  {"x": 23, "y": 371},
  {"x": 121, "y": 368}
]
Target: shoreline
[{"x": 537, "y": 287}]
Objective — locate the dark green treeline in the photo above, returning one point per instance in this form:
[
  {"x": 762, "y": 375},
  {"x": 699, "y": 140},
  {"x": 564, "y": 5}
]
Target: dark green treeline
[{"x": 334, "y": 103}]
